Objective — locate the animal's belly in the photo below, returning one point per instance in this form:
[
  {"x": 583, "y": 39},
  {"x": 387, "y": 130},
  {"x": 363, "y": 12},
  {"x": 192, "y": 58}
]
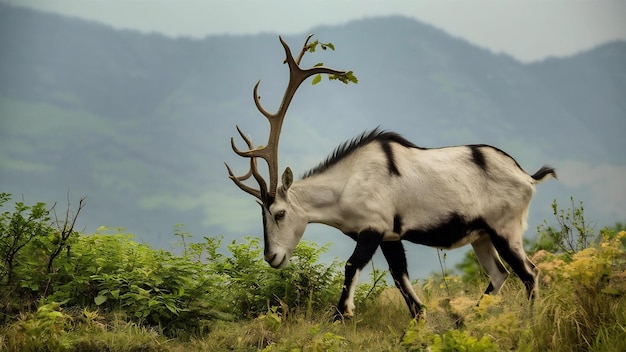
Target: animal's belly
[
  {"x": 449, "y": 241},
  {"x": 451, "y": 234}
]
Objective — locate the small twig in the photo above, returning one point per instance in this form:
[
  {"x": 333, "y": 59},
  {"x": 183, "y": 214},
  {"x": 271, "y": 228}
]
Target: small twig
[
  {"x": 376, "y": 280},
  {"x": 65, "y": 228},
  {"x": 443, "y": 272}
]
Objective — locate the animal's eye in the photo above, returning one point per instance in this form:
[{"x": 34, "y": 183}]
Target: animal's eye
[{"x": 279, "y": 215}]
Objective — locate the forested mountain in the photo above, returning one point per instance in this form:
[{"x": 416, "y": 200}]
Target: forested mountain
[{"x": 140, "y": 123}]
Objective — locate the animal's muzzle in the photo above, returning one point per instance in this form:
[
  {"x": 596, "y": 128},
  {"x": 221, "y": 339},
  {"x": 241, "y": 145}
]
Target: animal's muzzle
[{"x": 276, "y": 261}]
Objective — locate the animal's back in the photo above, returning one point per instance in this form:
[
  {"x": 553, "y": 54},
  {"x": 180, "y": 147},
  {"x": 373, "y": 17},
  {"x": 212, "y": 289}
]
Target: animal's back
[
  {"x": 425, "y": 187},
  {"x": 461, "y": 188}
]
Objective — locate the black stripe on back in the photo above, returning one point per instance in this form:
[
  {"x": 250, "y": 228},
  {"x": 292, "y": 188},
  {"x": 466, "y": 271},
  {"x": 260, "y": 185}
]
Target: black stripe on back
[
  {"x": 478, "y": 157},
  {"x": 391, "y": 162},
  {"x": 349, "y": 147},
  {"x": 479, "y": 146}
]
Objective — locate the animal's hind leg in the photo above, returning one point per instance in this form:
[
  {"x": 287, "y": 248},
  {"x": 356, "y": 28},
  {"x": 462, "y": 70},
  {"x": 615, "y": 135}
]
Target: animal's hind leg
[
  {"x": 366, "y": 244},
  {"x": 490, "y": 262},
  {"x": 510, "y": 247},
  {"x": 394, "y": 253}
]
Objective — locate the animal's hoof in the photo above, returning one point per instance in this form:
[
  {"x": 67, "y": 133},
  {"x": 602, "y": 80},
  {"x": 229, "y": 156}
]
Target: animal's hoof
[
  {"x": 342, "y": 317},
  {"x": 421, "y": 315}
]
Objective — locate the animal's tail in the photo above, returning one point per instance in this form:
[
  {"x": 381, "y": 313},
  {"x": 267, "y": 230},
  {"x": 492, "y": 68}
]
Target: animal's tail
[{"x": 544, "y": 173}]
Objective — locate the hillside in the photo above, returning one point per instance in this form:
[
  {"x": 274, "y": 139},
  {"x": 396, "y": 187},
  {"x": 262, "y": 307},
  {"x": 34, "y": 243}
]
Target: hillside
[{"x": 140, "y": 123}]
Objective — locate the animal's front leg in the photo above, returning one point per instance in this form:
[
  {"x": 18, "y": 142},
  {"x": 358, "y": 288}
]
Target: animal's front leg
[
  {"x": 366, "y": 244},
  {"x": 394, "y": 253}
]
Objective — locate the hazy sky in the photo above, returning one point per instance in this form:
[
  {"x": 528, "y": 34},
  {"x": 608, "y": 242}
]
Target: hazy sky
[{"x": 526, "y": 29}]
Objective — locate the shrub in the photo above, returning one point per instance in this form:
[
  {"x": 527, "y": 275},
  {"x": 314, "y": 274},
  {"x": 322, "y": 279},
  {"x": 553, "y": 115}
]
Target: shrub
[
  {"x": 252, "y": 286},
  {"x": 585, "y": 297}
]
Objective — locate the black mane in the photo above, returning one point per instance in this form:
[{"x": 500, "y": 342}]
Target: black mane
[{"x": 349, "y": 147}]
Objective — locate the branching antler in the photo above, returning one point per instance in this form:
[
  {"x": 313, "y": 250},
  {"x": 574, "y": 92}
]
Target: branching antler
[
  {"x": 261, "y": 193},
  {"x": 269, "y": 152}
]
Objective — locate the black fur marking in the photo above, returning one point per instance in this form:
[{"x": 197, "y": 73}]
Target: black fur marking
[
  {"x": 349, "y": 147},
  {"x": 391, "y": 162},
  {"x": 366, "y": 245},
  {"x": 489, "y": 289},
  {"x": 446, "y": 234},
  {"x": 396, "y": 258},
  {"x": 267, "y": 200},
  {"x": 352, "y": 235},
  {"x": 478, "y": 157},
  {"x": 479, "y": 146},
  {"x": 265, "y": 243},
  {"x": 516, "y": 260},
  {"x": 397, "y": 224}
]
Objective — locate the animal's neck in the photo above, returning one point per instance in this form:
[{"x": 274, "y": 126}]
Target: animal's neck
[{"x": 318, "y": 197}]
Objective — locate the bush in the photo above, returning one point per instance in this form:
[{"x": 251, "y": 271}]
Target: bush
[
  {"x": 252, "y": 286},
  {"x": 586, "y": 296},
  {"x": 111, "y": 272}
]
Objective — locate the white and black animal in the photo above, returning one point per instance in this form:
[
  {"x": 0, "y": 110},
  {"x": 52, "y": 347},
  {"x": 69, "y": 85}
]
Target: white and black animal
[{"x": 380, "y": 189}]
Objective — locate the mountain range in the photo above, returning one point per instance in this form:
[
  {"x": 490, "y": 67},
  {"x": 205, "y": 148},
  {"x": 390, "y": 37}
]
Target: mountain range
[{"x": 139, "y": 123}]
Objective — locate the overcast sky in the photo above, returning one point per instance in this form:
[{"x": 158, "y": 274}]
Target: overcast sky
[{"x": 526, "y": 29}]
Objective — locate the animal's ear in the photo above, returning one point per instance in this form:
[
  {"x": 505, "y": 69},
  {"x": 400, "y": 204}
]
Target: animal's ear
[{"x": 287, "y": 179}]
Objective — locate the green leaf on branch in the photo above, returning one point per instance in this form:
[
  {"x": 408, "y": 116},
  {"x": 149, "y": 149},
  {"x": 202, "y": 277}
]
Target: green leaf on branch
[
  {"x": 317, "y": 79},
  {"x": 311, "y": 47},
  {"x": 346, "y": 78}
]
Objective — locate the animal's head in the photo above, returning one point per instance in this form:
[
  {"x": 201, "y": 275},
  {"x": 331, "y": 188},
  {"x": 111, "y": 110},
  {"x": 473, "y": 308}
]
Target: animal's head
[{"x": 283, "y": 220}]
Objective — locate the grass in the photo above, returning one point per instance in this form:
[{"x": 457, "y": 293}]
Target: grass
[
  {"x": 582, "y": 307},
  {"x": 385, "y": 325},
  {"x": 506, "y": 322}
]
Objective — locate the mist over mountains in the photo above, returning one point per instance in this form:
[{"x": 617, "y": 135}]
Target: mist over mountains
[{"x": 140, "y": 123}]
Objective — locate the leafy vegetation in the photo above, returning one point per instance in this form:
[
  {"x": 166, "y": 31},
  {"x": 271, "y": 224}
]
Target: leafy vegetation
[{"x": 62, "y": 291}]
